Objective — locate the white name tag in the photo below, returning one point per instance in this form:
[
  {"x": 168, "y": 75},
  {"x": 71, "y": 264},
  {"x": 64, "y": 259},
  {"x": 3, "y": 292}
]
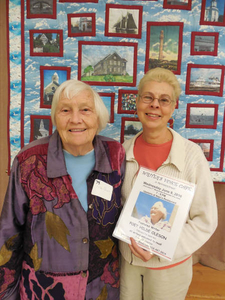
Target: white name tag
[{"x": 102, "y": 189}]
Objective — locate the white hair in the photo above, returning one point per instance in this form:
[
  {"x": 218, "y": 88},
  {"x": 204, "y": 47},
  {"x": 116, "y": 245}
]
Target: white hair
[
  {"x": 72, "y": 87},
  {"x": 159, "y": 206}
]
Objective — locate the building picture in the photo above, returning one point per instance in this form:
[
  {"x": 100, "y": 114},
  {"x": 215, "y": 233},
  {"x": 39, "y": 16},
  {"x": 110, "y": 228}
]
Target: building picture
[
  {"x": 204, "y": 43},
  {"x": 212, "y": 12},
  {"x": 112, "y": 64},
  {"x": 81, "y": 24},
  {"x": 85, "y": 24},
  {"x": 41, "y": 131},
  {"x": 50, "y": 89}
]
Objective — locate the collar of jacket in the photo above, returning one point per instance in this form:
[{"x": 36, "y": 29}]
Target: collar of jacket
[
  {"x": 175, "y": 157},
  {"x": 56, "y": 166}
]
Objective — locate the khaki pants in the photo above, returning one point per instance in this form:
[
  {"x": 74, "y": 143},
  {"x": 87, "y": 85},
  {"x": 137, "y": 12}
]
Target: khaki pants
[{"x": 140, "y": 283}]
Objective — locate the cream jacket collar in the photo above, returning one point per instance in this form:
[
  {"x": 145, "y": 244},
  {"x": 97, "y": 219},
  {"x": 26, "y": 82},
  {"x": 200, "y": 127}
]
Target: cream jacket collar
[{"x": 175, "y": 157}]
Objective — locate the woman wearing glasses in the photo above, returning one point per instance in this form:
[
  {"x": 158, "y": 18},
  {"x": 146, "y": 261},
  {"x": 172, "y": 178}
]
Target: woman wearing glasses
[{"x": 159, "y": 148}]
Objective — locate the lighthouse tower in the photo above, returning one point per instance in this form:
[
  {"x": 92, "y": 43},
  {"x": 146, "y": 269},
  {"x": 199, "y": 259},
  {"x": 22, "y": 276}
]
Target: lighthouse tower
[{"x": 161, "y": 38}]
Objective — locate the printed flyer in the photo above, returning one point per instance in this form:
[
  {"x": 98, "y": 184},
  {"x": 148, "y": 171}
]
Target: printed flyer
[{"x": 155, "y": 212}]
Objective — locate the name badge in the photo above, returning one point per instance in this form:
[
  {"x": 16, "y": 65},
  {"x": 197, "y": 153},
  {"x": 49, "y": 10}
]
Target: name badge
[{"x": 102, "y": 189}]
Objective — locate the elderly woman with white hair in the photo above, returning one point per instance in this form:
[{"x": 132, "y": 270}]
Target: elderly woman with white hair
[
  {"x": 144, "y": 275},
  {"x": 157, "y": 216},
  {"x": 61, "y": 207}
]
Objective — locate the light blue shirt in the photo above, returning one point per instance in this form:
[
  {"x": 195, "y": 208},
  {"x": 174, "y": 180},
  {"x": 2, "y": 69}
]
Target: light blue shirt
[{"x": 79, "y": 168}]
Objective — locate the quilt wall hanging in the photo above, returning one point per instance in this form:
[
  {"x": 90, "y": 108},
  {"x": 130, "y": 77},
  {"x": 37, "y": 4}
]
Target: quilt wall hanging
[{"x": 110, "y": 45}]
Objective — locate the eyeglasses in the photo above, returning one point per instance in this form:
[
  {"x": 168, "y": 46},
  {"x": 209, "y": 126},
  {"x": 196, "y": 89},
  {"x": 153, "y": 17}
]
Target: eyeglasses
[{"x": 149, "y": 98}]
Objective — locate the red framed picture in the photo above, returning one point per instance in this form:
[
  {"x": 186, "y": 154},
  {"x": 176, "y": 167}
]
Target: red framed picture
[
  {"x": 164, "y": 46},
  {"x": 51, "y": 78},
  {"x": 46, "y": 42},
  {"x": 129, "y": 128},
  {"x": 123, "y": 20},
  {"x": 202, "y": 115},
  {"x": 171, "y": 123},
  {"x": 177, "y": 4},
  {"x": 81, "y": 24},
  {"x": 40, "y": 126},
  {"x": 109, "y": 101},
  {"x": 127, "y": 101},
  {"x": 114, "y": 63},
  {"x": 204, "y": 43},
  {"x": 204, "y": 80},
  {"x": 41, "y": 9},
  {"x": 212, "y": 13},
  {"x": 206, "y": 146}
]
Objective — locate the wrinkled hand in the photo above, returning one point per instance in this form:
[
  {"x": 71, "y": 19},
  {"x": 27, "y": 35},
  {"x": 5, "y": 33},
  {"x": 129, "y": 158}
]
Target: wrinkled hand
[{"x": 139, "y": 252}]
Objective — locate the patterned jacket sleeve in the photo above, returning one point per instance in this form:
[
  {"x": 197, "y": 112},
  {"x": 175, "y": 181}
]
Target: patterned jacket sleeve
[{"x": 12, "y": 224}]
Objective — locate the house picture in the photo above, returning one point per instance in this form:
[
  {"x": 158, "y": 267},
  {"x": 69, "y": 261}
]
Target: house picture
[
  {"x": 81, "y": 24},
  {"x": 46, "y": 42},
  {"x": 112, "y": 64},
  {"x": 106, "y": 63}
]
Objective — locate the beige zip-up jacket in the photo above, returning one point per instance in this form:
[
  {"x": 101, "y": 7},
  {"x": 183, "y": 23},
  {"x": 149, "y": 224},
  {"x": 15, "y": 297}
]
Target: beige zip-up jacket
[{"x": 185, "y": 161}]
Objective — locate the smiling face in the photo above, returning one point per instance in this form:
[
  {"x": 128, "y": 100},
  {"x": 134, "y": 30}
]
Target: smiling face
[
  {"x": 77, "y": 122},
  {"x": 152, "y": 115},
  {"x": 156, "y": 214}
]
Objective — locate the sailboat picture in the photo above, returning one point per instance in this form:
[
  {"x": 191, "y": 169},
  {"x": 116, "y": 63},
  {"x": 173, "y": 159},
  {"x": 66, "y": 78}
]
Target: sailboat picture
[{"x": 123, "y": 20}]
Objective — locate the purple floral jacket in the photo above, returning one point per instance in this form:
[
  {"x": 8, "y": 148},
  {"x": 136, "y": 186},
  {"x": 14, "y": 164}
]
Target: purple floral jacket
[{"x": 50, "y": 248}]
